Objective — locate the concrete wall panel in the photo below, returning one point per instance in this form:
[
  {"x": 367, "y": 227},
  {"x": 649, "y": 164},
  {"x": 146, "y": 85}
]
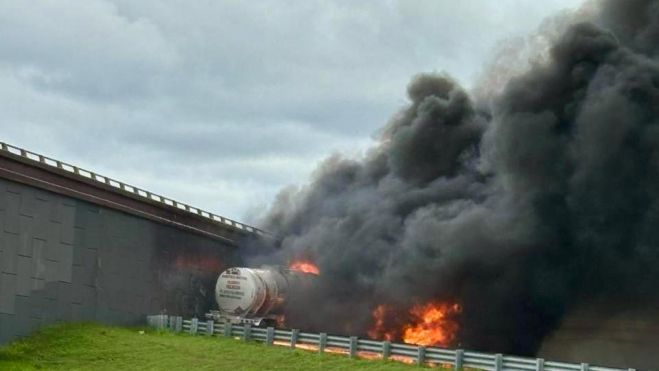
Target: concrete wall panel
[
  {"x": 10, "y": 243},
  {"x": 8, "y": 290}
]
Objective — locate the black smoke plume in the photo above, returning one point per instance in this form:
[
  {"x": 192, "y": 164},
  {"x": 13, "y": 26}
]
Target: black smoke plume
[{"x": 521, "y": 209}]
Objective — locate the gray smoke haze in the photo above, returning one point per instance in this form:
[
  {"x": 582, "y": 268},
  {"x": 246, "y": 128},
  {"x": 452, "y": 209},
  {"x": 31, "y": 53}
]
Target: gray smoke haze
[{"x": 522, "y": 208}]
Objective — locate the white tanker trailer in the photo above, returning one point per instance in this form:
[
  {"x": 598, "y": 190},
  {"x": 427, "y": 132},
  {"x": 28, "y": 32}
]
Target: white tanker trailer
[{"x": 255, "y": 295}]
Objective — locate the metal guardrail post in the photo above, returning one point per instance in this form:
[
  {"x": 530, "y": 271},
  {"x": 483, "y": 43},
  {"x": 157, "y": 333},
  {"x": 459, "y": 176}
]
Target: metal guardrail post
[
  {"x": 270, "y": 336},
  {"x": 498, "y": 362},
  {"x": 322, "y": 342},
  {"x": 247, "y": 331},
  {"x": 171, "y": 323},
  {"x": 353, "y": 346},
  {"x": 210, "y": 327},
  {"x": 584, "y": 367},
  {"x": 539, "y": 364},
  {"x": 294, "y": 335},
  {"x": 459, "y": 359},
  {"x": 193, "y": 326},
  {"x": 179, "y": 324},
  {"x": 386, "y": 350},
  {"x": 421, "y": 357},
  {"x": 227, "y": 328}
]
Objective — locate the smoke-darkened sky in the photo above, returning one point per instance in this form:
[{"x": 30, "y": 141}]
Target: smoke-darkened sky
[{"x": 221, "y": 104}]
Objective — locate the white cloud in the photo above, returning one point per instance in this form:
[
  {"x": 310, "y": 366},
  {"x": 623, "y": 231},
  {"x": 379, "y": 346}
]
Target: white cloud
[
  {"x": 220, "y": 104},
  {"x": 84, "y": 48}
]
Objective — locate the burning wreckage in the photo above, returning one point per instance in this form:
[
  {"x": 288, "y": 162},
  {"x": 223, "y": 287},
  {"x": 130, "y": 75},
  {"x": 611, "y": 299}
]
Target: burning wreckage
[{"x": 258, "y": 296}]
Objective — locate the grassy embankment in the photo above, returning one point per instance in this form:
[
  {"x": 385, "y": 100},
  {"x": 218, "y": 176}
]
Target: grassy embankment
[{"x": 97, "y": 347}]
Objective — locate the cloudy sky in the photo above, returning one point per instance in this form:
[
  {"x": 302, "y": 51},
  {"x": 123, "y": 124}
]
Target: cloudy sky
[{"x": 220, "y": 104}]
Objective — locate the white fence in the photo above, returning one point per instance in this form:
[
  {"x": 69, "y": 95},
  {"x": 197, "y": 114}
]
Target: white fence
[
  {"x": 354, "y": 347},
  {"x": 121, "y": 187}
]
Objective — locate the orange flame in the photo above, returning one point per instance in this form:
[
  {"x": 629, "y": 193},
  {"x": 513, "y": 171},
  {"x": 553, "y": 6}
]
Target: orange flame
[
  {"x": 280, "y": 320},
  {"x": 433, "y": 324},
  {"x": 430, "y": 324},
  {"x": 379, "y": 329},
  {"x": 305, "y": 266}
]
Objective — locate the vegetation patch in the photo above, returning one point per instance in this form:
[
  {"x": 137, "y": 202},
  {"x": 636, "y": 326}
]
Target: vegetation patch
[{"x": 88, "y": 346}]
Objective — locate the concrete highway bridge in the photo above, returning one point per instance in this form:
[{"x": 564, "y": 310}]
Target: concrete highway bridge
[{"x": 75, "y": 245}]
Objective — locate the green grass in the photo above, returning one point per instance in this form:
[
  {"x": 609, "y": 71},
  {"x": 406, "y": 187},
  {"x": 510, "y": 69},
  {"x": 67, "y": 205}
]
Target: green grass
[{"x": 97, "y": 347}]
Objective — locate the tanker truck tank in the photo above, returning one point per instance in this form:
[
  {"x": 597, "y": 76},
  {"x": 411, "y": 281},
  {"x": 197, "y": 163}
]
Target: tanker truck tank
[{"x": 255, "y": 295}]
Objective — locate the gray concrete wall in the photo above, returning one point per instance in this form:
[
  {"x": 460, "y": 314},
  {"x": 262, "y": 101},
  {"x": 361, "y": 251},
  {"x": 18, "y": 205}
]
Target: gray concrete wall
[{"x": 63, "y": 259}]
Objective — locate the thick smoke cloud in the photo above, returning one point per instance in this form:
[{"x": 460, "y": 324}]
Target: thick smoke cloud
[{"x": 543, "y": 201}]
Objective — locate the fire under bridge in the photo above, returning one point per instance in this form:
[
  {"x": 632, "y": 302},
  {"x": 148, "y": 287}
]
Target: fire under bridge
[{"x": 79, "y": 246}]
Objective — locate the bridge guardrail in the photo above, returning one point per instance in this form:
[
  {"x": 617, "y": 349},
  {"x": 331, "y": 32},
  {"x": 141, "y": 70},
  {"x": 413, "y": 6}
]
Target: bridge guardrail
[
  {"x": 123, "y": 187},
  {"x": 352, "y": 346}
]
